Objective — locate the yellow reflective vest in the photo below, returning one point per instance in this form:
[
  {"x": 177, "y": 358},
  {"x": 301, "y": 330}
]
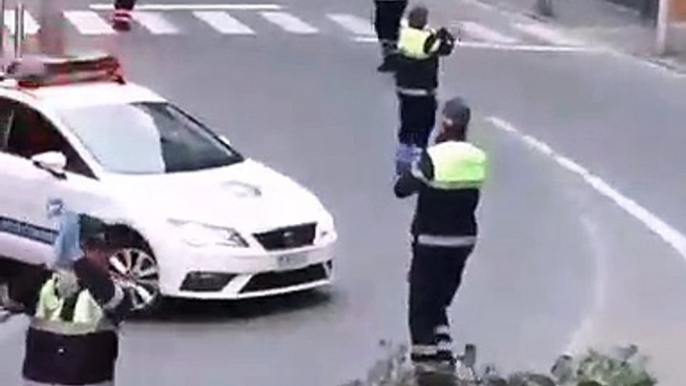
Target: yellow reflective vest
[
  {"x": 412, "y": 43},
  {"x": 457, "y": 165},
  {"x": 87, "y": 314},
  {"x": 446, "y": 206}
]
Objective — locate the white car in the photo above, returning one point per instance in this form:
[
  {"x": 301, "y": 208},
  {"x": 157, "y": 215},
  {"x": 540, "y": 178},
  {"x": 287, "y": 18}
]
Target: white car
[{"x": 194, "y": 217}]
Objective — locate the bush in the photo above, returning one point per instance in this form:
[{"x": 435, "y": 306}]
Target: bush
[{"x": 623, "y": 366}]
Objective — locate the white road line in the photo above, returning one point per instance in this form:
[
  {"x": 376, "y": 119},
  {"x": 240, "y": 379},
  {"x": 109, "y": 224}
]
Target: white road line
[
  {"x": 538, "y": 145},
  {"x": 155, "y": 23},
  {"x": 666, "y": 232},
  {"x": 583, "y": 335},
  {"x": 479, "y": 4},
  {"x": 366, "y": 39},
  {"x": 89, "y": 23},
  {"x": 224, "y": 23},
  {"x": 193, "y": 7},
  {"x": 31, "y": 26},
  {"x": 352, "y": 23},
  {"x": 289, "y": 23},
  {"x": 483, "y": 33},
  {"x": 504, "y": 47},
  {"x": 548, "y": 34}
]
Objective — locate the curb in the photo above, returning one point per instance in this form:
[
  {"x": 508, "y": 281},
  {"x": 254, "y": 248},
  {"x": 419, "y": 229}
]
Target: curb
[{"x": 665, "y": 63}]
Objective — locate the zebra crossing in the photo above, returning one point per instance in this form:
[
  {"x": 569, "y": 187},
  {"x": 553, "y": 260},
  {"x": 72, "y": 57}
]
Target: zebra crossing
[{"x": 219, "y": 20}]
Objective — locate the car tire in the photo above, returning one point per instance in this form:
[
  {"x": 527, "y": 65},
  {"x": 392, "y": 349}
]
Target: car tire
[{"x": 135, "y": 266}]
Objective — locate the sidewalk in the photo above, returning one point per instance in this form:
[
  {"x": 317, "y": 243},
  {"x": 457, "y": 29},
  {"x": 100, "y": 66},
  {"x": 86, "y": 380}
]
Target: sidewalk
[{"x": 601, "y": 22}]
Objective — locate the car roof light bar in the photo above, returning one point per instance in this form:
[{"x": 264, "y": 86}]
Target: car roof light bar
[{"x": 38, "y": 71}]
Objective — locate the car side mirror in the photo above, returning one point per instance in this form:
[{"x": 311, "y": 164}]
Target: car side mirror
[
  {"x": 226, "y": 141},
  {"x": 52, "y": 161}
]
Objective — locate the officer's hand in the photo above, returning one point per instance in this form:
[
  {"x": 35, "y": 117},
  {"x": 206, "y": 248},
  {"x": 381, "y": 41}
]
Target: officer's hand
[{"x": 67, "y": 246}]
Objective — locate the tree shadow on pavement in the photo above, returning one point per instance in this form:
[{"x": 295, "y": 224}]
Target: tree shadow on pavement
[{"x": 204, "y": 311}]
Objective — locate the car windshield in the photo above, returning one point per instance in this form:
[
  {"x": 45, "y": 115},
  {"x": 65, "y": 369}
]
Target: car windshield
[{"x": 147, "y": 138}]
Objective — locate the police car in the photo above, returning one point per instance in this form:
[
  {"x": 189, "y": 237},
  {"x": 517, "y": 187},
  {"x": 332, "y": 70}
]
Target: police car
[{"x": 192, "y": 216}]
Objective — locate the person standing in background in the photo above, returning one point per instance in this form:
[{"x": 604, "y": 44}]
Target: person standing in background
[{"x": 388, "y": 14}]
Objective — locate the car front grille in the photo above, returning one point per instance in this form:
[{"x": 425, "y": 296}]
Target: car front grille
[
  {"x": 288, "y": 237},
  {"x": 275, "y": 280}
]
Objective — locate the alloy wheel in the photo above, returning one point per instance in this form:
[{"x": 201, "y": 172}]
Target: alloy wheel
[{"x": 138, "y": 270}]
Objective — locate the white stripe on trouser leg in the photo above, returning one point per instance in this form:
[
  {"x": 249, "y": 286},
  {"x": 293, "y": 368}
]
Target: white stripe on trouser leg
[
  {"x": 442, "y": 330},
  {"x": 421, "y": 349},
  {"x": 444, "y": 346}
]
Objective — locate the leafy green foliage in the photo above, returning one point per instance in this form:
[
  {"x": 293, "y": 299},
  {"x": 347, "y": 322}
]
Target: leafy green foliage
[{"x": 622, "y": 366}]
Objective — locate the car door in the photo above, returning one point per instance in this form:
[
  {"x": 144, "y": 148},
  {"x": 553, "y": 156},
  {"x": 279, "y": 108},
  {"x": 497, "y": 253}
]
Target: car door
[
  {"x": 19, "y": 239},
  {"x": 41, "y": 191}
]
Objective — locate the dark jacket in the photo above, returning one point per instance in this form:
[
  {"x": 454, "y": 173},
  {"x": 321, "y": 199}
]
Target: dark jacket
[
  {"x": 65, "y": 358},
  {"x": 438, "y": 212}
]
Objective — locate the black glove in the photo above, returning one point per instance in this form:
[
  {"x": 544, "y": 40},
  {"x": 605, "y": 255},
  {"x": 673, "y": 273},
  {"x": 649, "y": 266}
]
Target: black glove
[{"x": 444, "y": 34}]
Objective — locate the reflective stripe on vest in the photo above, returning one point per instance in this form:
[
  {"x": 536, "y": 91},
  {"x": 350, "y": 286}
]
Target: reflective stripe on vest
[
  {"x": 88, "y": 316},
  {"x": 412, "y": 41},
  {"x": 457, "y": 165}
]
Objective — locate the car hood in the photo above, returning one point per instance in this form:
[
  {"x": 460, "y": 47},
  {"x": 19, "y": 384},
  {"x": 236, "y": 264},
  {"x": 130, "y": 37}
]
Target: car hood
[{"x": 247, "y": 196}]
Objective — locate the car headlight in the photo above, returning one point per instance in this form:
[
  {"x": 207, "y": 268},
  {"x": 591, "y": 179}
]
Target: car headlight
[
  {"x": 326, "y": 227},
  {"x": 201, "y": 234}
]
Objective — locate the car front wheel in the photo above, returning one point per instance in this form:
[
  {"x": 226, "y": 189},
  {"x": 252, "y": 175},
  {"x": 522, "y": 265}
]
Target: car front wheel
[{"x": 136, "y": 268}]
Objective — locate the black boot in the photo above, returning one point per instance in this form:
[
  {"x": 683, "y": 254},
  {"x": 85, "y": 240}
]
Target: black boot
[{"x": 387, "y": 50}]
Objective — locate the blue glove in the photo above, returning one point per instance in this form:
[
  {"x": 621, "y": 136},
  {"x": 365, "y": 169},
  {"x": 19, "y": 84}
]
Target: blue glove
[
  {"x": 67, "y": 246},
  {"x": 405, "y": 156}
]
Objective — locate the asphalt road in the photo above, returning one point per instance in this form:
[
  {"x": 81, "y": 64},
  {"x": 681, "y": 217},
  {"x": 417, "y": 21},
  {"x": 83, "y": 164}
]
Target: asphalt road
[{"x": 558, "y": 265}]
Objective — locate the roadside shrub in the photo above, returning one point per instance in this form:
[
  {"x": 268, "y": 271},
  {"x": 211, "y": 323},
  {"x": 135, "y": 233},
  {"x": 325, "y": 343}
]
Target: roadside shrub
[{"x": 622, "y": 366}]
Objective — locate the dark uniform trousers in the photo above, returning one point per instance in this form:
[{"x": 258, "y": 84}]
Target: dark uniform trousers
[
  {"x": 387, "y": 19},
  {"x": 435, "y": 276},
  {"x": 417, "y": 119}
]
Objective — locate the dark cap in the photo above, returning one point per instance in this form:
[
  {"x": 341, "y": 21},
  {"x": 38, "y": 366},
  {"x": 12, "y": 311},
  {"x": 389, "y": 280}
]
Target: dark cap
[
  {"x": 418, "y": 16},
  {"x": 93, "y": 231},
  {"x": 457, "y": 111}
]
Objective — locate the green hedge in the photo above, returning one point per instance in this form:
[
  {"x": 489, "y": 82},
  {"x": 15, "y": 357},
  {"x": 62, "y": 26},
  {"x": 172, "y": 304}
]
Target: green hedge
[{"x": 622, "y": 366}]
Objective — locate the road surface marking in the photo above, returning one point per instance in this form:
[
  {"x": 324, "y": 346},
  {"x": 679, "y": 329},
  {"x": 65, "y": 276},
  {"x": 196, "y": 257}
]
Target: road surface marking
[
  {"x": 547, "y": 34},
  {"x": 89, "y": 23},
  {"x": 583, "y": 335},
  {"x": 352, "y": 23},
  {"x": 193, "y": 7},
  {"x": 483, "y": 33},
  {"x": 666, "y": 232},
  {"x": 479, "y": 4},
  {"x": 31, "y": 27},
  {"x": 503, "y": 47},
  {"x": 289, "y": 23},
  {"x": 224, "y": 23},
  {"x": 155, "y": 23}
]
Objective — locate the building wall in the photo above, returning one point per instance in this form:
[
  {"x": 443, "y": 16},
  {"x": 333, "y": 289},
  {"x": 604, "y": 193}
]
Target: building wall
[{"x": 678, "y": 10}]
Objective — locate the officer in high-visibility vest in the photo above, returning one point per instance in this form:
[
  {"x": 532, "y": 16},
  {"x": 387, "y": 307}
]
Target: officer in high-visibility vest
[
  {"x": 387, "y": 17},
  {"x": 447, "y": 178},
  {"x": 416, "y": 67},
  {"x": 74, "y": 311}
]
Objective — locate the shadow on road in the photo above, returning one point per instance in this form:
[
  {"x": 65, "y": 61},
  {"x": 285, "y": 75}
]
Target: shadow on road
[{"x": 204, "y": 311}]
